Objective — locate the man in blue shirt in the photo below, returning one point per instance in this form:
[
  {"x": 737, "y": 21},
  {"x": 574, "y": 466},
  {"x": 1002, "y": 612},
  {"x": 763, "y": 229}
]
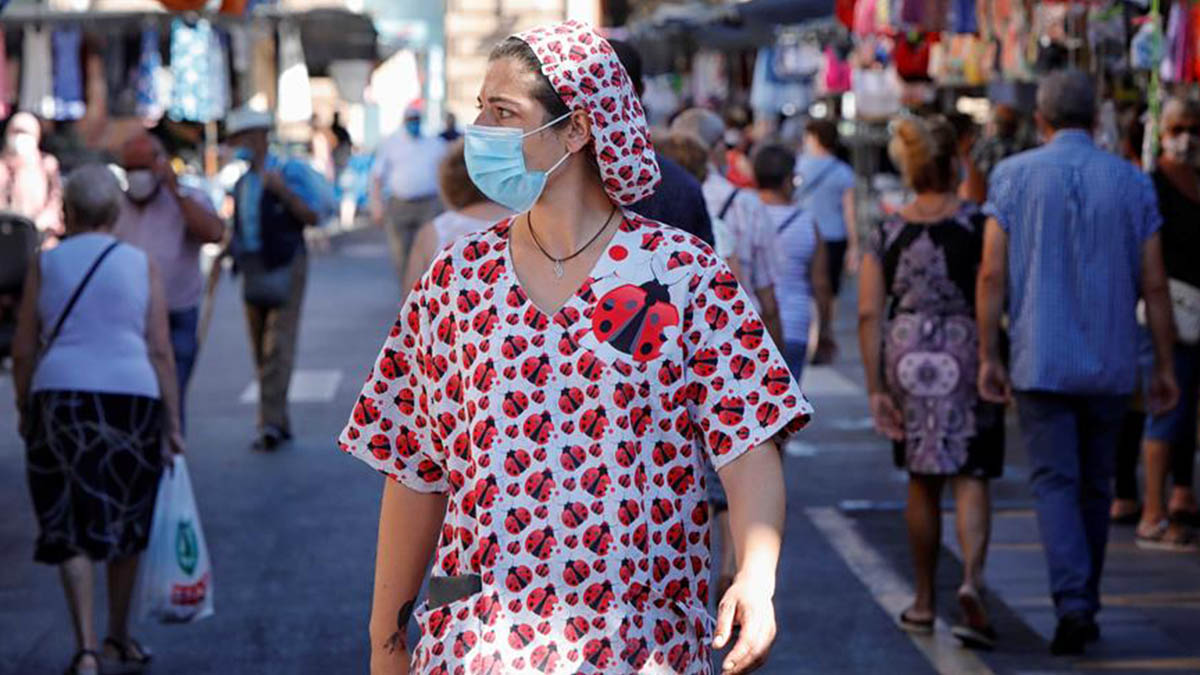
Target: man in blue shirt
[
  {"x": 274, "y": 201},
  {"x": 1072, "y": 239}
]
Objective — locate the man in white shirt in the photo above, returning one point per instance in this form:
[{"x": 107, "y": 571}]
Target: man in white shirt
[
  {"x": 740, "y": 213},
  {"x": 404, "y": 189}
]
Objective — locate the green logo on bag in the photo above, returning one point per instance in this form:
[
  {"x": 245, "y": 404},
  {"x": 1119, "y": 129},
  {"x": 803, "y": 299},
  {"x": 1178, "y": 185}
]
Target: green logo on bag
[{"x": 187, "y": 551}]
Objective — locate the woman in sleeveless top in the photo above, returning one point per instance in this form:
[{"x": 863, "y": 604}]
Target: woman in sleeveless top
[
  {"x": 95, "y": 406},
  {"x": 467, "y": 211},
  {"x": 920, "y": 351}
]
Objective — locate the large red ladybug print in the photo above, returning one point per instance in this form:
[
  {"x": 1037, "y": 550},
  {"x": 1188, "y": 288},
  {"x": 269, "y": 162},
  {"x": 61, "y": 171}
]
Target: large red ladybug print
[{"x": 634, "y": 319}]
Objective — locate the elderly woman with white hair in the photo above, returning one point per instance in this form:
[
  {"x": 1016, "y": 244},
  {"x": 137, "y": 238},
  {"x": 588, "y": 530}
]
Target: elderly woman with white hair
[{"x": 96, "y": 395}]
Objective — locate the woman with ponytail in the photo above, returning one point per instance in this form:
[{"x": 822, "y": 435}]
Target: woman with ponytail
[{"x": 920, "y": 348}]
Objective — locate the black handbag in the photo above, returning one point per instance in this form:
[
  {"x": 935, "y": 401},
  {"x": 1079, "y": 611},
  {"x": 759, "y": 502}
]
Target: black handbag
[{"x": 262, "y": 286}]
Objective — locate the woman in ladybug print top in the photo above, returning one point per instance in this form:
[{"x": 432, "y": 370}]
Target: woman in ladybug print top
[{"x": 546, "y": 424}]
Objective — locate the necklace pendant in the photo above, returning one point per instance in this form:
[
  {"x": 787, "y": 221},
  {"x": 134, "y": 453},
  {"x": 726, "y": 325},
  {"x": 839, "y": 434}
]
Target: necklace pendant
[{"x": 558, "y": 269}]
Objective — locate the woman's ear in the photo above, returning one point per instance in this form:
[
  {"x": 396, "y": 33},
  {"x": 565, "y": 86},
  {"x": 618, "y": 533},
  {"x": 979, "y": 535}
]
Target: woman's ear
[{"x": 579, "y": 130}]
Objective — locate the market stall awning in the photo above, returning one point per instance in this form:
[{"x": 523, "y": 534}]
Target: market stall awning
[
  {"x": 784, "y": 11},
  {"x": 336, "y": 35}
]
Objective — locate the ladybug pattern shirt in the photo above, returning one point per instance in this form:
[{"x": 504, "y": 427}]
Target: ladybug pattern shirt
[{"x": 571, "y": 448}]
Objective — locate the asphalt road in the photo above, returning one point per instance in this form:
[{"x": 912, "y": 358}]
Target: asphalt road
[{"x": 292, "y": 533}]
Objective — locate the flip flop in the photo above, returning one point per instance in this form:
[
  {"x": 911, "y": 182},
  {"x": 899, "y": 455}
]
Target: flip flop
[
  {"x": 975, "y": 638},
  {"x": 1158, "y": 540},
  {"x": 914, "y": 626},
  {"x": 976, "y": 630}
]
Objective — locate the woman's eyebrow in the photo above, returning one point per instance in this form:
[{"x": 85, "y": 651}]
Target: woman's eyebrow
[{"x": 502, "y": 99}]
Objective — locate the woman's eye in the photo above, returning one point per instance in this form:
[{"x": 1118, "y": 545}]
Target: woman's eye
[{"x": 503, "y": 114}]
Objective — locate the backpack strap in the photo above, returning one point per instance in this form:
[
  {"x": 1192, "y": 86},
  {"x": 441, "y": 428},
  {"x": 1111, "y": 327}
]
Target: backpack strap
[{"x": 789, "y": 220}]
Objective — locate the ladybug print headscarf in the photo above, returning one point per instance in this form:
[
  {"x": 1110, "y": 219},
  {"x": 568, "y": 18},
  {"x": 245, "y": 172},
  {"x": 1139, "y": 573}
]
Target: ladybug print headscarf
[{"x": 584, "y": 70}]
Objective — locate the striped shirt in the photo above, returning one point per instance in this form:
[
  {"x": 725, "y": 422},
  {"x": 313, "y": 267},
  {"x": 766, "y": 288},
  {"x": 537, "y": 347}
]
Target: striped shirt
[
  {"x": 795, "y": 245},
  {"x": 1077, "y": 218}
]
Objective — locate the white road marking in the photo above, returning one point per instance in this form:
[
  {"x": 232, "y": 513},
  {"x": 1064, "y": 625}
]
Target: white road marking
[
  {"x": 852, "y": 423},
  {"x": 800, "y": 449},
  {"x": 308, "y": 386},
  {"x": 364, "y": 251},
  {"x": 825, "y": 381},
  {"x": 891, "y": 592}
]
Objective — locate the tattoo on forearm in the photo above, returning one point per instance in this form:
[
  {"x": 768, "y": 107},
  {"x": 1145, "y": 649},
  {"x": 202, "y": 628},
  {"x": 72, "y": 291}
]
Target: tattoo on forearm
[{"x": 397, "y": 640}]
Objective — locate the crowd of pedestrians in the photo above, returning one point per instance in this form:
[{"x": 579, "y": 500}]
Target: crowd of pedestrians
[{"x": 977, "y": 294}]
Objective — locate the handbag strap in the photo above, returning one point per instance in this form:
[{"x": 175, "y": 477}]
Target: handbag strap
[
  {"x": 788, "y": 221},
  {"x": 62, "y": 317},
  {"x": 728, "y": 203},
  {"x": 807, "y": 187}
]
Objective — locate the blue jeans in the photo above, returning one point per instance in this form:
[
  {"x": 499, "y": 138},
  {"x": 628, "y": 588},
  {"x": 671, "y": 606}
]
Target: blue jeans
[
  {"x": 1072, "y": 445},
  {"x": 795, "y": 355},
  {"x": 185, "y": 343}
]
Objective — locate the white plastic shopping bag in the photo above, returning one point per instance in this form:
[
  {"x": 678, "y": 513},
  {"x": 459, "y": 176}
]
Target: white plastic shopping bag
[{"x": 175, "y": 579}]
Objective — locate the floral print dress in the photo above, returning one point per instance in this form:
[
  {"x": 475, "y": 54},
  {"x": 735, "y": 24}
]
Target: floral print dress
[
  {"x": 931, "y": 345},
  {"x": 571, "y": 448}
]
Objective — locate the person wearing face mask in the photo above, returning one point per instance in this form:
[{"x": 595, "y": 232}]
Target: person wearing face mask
[
  {"x": 1168, "y": 522},
  {"x": 170, "y": 223},
  {"x": 30, "y": 184},
  {"x": 273, "y": 202},
  {"x": 404, "y": 189},
  {"x": 548, "y": 398}
]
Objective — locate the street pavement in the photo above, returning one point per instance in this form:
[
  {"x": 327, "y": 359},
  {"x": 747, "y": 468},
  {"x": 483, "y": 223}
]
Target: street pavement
[{"x": 292, "y": 534}]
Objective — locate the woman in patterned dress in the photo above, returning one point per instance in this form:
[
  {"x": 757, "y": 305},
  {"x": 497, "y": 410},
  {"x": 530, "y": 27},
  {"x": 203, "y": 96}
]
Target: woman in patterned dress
[
  {"x": 920, "y": 350},
  {"x": 547, "y": 399}
]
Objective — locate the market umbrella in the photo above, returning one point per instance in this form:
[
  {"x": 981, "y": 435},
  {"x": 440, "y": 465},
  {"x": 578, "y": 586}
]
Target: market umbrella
[{"x": 784, "y": 11}]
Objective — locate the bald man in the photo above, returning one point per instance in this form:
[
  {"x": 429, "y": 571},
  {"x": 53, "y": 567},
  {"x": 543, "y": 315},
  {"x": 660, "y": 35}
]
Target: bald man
[{"x": 170, "y": 223}]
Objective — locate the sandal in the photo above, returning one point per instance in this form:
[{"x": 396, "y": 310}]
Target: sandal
[
  {"x": 132, "y": 657},
  {"x": 1190, "y": 517},
  {"x": 80, "y": 655},
  {"x": 1159, "y": 539},
  {"x": 976, "y": 631},
  {"x": 914, "y": 626}
]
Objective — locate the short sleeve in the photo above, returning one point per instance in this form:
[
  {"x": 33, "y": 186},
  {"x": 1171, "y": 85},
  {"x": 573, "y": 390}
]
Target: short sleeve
[
  {"x": 1148, "y": 214},
  {"x": 846, "y": 178},
  {"x": 1000, "y": 196},
  {"x": 739, "y": 391},
  {"x": 391, "y": 428}
]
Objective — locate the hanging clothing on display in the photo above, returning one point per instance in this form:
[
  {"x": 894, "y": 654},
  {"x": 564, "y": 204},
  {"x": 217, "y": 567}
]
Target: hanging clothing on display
[
  {"x": 120, "y": 75},
  {"x": 149, "y": 104},
  {"x": 241, "y": 56},
  {"x": 191, "y": 68},
  {"x": 37, "y": 78},
  {"x": 709, "y": 82},
  {"x": 782, "y": 82},
  {"x": 218, "y": 72},
  {"x": 295, "y": 91},
  {"x": 911, "y": 54},
  {"x": 68, "y": 76},
  {"x": 5, "y": 91},
  {"x": 964, "y": 16},
  {"x": 263, "y": 73},
  {"x": 836, "y": 73}
]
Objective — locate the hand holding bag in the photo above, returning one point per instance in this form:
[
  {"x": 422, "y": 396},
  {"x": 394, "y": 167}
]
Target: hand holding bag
[{"x": 263, "y": 287}]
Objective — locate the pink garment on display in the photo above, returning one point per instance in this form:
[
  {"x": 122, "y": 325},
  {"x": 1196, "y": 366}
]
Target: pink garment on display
[
  {"x": 864, "y": 17},
  {"x": 837, "y": 73},
  {"x": 5, "y": 89},
  {"x": 585, "y": 72}
]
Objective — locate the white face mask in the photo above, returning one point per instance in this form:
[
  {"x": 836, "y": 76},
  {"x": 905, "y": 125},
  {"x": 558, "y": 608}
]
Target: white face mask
[
  {"x": 142, "y": 184},
  {"x": 24, "y": 144}
]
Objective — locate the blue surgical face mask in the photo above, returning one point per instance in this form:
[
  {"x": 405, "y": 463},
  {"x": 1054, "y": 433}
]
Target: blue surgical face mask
[
  {"x": 496, "y": 163},
  {"x": 413, "y": 126},
  {"x": 243, "y": 153}
]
